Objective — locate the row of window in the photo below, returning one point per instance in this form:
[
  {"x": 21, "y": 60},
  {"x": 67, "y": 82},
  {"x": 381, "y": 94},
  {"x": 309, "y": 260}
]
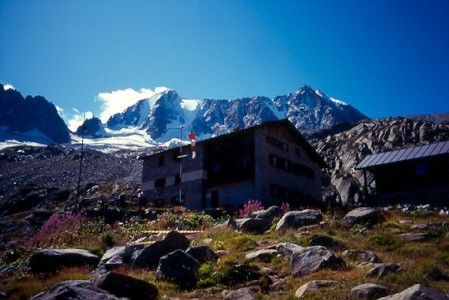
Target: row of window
[
  {"x": 280, "y": 144},
  {"x": 161, "y": 182},
  {"x": 293, "y": 167},
  {"x": 277, "y": 143}
]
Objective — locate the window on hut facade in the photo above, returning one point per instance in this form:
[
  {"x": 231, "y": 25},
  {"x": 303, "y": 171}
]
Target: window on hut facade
[{"x": 159, "y": 183}]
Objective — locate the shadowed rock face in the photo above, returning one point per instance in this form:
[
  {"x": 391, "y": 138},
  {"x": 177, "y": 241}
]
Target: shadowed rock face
[
  {"x": 126, "y": 286},
  {"x": 312, "y": 259},
  {"x": 296, "y": 219},
  {"x": 149, "y": 256},
  {"x": 51, "y": 260},
  {"x": 180, "y": 268},
  {"x": 23, "y": 115},
  {"x": 363, "y": 215}
]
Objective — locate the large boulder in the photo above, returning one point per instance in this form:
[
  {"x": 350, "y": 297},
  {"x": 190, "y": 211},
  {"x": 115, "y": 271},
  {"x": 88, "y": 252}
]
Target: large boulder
[
  {"x": 368, "y": 291},
  {"x": 180, "y": 268},
  {"x": 347, "y": 187},
  {"x": 363, "y": 215},
  {"x": 150, "y": 255},
  {"x": 126, "y": 286},
  {"x": 51, "y": 260},
  {"x": 296, "y": 219},
  {"x": 251, "y": 225},
  {"x": 312, "y": 259},
  {"x": 202, "y": 254},
  {"x": 418, "y": 292},
  {"x": 74, "y": 289}
]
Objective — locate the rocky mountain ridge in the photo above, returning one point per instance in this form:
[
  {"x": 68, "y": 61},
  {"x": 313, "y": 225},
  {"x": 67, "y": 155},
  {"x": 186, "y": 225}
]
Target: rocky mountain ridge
[
  {"x": 156, "y": 119},
  {"x": 31, "y": 118},
  {"x": 307, "y": 109}
]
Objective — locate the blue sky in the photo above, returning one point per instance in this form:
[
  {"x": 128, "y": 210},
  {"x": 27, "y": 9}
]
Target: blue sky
[{"x": 384, "y": 57}]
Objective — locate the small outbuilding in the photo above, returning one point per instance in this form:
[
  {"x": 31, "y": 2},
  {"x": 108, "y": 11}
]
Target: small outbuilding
[
  {"x": 271, "y": 162},
  {"x": 415, "y": 175}
]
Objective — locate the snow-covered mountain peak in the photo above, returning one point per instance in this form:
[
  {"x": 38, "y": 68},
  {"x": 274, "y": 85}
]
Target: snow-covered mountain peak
[
  {"x": 338, "y": 102},
  {"x": 158, "y": 116}
]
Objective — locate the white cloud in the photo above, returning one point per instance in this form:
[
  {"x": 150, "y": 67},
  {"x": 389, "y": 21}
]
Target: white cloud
[
  {"x": 77, "y": 118},
  {"x": 117, "y": 101}
]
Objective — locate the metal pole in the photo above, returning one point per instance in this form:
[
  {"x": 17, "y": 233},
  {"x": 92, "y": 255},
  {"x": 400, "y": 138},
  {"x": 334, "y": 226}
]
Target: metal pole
[
  {"x": 80, "y": 168},
  {"x": 180, "y": 164},
  {"x": 180, "y": 156}
]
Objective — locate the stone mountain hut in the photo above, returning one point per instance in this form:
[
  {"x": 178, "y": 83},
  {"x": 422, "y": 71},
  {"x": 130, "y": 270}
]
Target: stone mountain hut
[{"x": 271, "y": 162}]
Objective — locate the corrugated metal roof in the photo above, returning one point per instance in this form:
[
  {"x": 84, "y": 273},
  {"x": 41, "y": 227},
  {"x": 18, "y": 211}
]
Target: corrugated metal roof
[{"x": 390, "y": 157}]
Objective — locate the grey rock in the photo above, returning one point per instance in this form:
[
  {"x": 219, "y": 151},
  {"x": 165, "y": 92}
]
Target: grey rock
[
  {"x": 241, "y": 294},
  {"x": 118, "y": 256},
  {"x": 74, "y": 289},
  {"x": 110, "y": 253},
  {"x": 240, "y": 273},
  {"x": 383, "y": 269},
  {"x": 363, "y": 215},
  {"x": 287, "y": 249},
  {"x": 126, "y": 286},
  {"x": 114, "y": 263},
  {"x": 269, "y": 214},
  {"x": 325, "y": 241},
  {"x": 178, "y": 267},
  {"x": 150, "y": 255},
  {"x": 365, "y": 256},
  {"x": 51, "y": 260},
  {"x": 263, "y": 255},
  {"x": 418, "y": 292},
  {"x": 312, "y": 259},
  {"x": 347, "y": 188},
  {"x": 255, "y": 226},
  {"x": 415, "y": 237},
  {"x": 202, "y": 254},
  {"x": 369, "y": 291},
  {"x": 296, "y": 219}
]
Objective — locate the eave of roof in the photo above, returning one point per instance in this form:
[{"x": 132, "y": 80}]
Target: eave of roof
[{"x": 413, "y": 153}]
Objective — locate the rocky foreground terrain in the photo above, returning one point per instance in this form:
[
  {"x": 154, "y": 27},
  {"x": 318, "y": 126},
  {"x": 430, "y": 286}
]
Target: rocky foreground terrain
[{"x": 115, "y": 247}]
